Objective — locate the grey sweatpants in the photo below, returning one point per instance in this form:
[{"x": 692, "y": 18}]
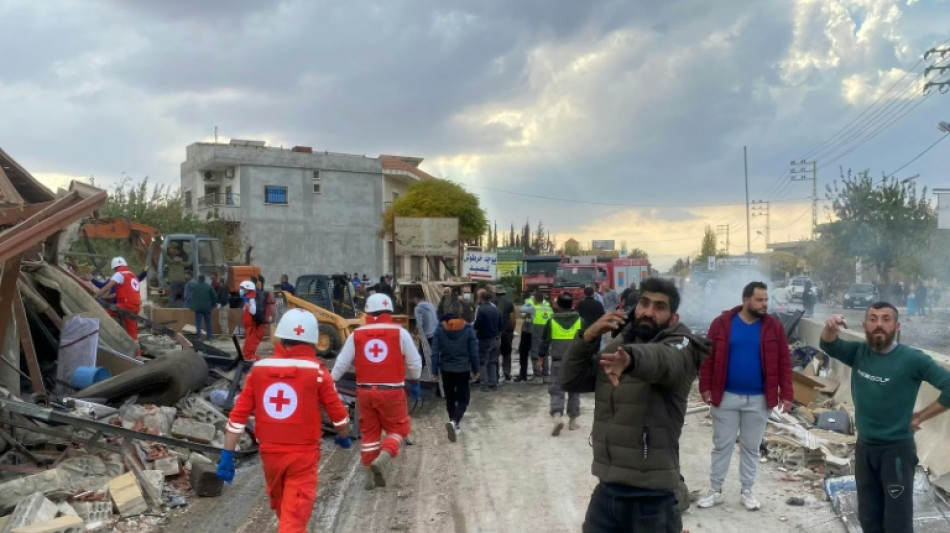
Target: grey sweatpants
[
  {"x": 537, "y": 331},
  {"x": 488, "y": 360},
  {"x": 745, "y": 416},
  {"x": 557, "y": 396}
]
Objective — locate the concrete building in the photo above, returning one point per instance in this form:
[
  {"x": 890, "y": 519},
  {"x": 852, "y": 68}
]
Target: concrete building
[{"x": 303, "y": 211}]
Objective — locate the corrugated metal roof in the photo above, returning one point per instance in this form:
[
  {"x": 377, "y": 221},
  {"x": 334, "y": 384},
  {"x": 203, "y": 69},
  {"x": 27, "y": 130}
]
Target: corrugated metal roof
[{"x": 17, "y": 186}]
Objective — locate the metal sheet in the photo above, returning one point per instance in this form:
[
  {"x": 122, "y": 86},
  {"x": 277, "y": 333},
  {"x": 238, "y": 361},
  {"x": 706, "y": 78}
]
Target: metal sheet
[{"x": 931, "y": 512}]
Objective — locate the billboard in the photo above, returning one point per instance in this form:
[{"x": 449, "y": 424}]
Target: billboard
[
  {"x": 426, "y": 236},
  {"x": 509, "y": 261},
  {"x": 602, "y": 245},
  {"x": 479, "y": 265}
]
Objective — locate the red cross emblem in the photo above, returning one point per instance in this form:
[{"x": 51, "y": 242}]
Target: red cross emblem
[
  {"x": 280, "y": 400},
  {"x": 386, "y": 303},
  {"x": 376, "y": 351},
  {"x": 299, "y": 330}
]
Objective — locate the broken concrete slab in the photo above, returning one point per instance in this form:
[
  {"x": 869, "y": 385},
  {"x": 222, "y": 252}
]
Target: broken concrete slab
[
  {"x": 168, "y": 466},
  {"x": 49, "y": 482},
  {"x": 93, "y": 511},
  {"x": 205, "y": 480},
  {"x": 126, "y": 495},
  {"x": 64, "y": 509},
  {"x": 193, "y": 430},
  {"x": 35, "y": 508},
  {"x": 63, "y": 524},
  {"x": 155, "y": 479}
]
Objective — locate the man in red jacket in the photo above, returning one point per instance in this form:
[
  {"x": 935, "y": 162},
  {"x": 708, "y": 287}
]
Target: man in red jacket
[
  {"x": 747, "y": 374},
  {"x": 384, "y": 355},
  {"x": 285, "y": 393}
]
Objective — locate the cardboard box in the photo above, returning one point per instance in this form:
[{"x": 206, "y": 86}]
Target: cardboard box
[{"x": 805, "y": 388}]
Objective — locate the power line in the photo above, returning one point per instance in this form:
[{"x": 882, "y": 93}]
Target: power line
[
  {"x": 935, "y": 143},
  {"x": 613, "y": 204}
]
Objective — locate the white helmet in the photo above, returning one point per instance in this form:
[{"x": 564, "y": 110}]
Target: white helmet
[
  {"x": 118, "y": 262},
  {"x": 248, "y": 286},
  {"x": 298, "y": 325},
  {"x": 377, "y": 303}
]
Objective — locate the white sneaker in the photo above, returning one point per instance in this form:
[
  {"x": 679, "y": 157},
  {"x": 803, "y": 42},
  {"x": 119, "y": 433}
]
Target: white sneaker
[
  {"x": 713, "y": 497},
  {"x": 558, "y": 424},
  {"x": 749, "y": 501},
  {"x": 451, "y": 430}
]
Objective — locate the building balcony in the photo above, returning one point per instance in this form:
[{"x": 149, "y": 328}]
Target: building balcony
[{"x": 220, "y": 199}]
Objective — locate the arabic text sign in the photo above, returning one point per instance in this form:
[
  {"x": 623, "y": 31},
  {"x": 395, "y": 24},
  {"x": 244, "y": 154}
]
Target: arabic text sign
[
  {"x": 479, "y": 265},
  {"x": 510, "y": 260},
  {"x": 426, "y": 236}
]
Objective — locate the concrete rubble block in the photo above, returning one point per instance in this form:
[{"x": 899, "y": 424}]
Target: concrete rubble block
[
  {"x": 63, "y": 524},
  {"x": 169, "y": 466},
  {"x": 34, "y": 508},
  {"x": 131, "y": 414},
  {"x": 86, "y": 471},
  {"x": 200, "y": 409},
  {"x": 196, "y": 458},
  {"x": 64, "y": 509},
  {"x": 205, "y": 480},
  {"x": 49, "y": 482},
  {"x": 91, "y": 512},
  {"x": 155, "y": 478},
  {"x": 126, "y": 495},
  {"x": 156, "y": 421},
  {"x": 193, "y": 430}
]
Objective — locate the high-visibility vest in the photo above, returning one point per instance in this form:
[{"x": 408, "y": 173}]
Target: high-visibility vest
[
  {"x": 542, "y": 313},
  {"x": 561, "y": 337}
]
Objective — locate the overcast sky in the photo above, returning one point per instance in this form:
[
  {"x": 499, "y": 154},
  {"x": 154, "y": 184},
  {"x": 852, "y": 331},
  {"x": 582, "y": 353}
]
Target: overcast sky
[{"x": 616, "y": 120}]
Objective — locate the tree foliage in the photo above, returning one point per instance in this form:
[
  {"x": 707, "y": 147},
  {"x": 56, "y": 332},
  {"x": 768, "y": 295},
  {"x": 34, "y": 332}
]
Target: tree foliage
[
  {"x": 679, "y": 268},
  {"x": 638, "y": 253},
  {"x": 883, "y": 222},
  {"x": 439, "y": 198},
  {"x": 708, "y": 246},
  {"x": 161, "y": 207},
  {"x": 572, "y": 247}
]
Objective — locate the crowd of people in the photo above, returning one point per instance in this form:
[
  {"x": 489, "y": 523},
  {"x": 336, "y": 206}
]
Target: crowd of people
[{"x": 635, "y": 356}]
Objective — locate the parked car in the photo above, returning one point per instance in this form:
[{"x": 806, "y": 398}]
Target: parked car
[
  {"x": 860, "y": 295},
  {"x": 796, "y": 287}
]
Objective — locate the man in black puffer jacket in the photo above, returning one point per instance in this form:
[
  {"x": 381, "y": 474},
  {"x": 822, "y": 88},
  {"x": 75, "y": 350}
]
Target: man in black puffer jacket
[
  {"x": 454, "y": 355},
  {"x": 641, "y": 382}
]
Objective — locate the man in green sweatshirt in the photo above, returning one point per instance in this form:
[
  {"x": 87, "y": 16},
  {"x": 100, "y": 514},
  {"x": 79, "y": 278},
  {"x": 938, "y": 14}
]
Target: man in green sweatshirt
[{"x": 885, "y": 380}]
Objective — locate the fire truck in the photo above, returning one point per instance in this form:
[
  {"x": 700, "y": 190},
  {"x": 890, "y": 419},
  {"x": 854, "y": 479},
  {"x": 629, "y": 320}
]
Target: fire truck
[
  {"x": 579, "y": 272},
  {"x": 537, "y": 272}
]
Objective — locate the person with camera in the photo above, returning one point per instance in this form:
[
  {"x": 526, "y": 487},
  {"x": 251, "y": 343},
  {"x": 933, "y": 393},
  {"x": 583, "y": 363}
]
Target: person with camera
[{"x": 641, "y": 382}]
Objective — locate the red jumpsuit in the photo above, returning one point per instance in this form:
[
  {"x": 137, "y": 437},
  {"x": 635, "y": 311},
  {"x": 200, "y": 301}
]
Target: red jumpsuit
[
  {"x": 128, "y": 298},
  {"x": 253, "y": 332},
  {"x": 380, "y": 353},
  {"x": 285, "y": 393}
]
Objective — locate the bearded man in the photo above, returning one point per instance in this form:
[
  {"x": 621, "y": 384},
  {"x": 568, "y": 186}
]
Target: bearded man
[
  {"x": 641, "y": 382},
  {"x": 885, "y": 380},
  {"x": 747, "y": 374}
]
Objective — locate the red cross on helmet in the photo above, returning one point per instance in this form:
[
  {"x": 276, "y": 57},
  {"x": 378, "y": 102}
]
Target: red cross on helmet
[
  {"x": 298, "y": 325},
  {"x": 378, "y": 303}
]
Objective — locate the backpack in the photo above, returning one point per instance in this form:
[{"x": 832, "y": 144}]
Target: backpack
[{"x": 266, "y": 305}]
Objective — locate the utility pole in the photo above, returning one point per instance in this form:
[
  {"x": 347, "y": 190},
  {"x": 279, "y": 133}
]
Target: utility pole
[
  {"x": 760, "y": 208},
  {"x": 748, "y": 227},
  {"x": 800, "y": 171},
  {"x": 942, "y": 85},
  {"x": 721, "y": 227}
]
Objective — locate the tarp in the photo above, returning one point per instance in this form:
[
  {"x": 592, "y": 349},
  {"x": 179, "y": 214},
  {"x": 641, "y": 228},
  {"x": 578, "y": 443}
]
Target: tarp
[{"x": 78, "y": 343}]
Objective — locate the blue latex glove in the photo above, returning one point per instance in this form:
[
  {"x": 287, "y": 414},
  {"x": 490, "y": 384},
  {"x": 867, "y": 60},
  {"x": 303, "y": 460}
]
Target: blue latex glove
[
  {"x": 342, "y": 442},
  {"x": 415, "y": 391},
  {"x": 226, "y": 466}
]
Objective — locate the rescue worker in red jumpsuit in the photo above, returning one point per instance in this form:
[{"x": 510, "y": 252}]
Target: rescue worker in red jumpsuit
[
  {"x": 383, "y": 355},
  {"x": 253, "y": 332},
  {"x": 127, "y": 295},
  {"x": 285, "y": 393}
]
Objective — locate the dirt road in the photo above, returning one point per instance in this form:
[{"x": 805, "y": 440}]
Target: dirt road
[{"x": 505, "y": 474}]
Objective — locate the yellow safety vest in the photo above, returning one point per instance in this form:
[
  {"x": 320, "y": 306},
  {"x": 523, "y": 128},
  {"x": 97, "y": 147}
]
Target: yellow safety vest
[
  {"x": 542, "y": 313},
  {"x": 561, "y": 334}
]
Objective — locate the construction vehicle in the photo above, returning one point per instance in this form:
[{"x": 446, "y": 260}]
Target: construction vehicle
[
  {"x": 331, "y": 300},
  {"x": 166, "y": 257}
]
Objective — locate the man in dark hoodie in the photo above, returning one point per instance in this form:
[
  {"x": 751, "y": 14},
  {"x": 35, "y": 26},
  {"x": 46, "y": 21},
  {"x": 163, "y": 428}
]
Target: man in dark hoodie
[
  {"x": 641, "y": 382},
  {"x": 558, "y": 336},
  {"x": 454, "y": 355}
]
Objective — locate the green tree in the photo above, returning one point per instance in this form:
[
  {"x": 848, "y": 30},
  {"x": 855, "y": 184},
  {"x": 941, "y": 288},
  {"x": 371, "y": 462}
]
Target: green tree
[
  {"x": 439, "y": 198},
  {"x": 679, "y": 268},
  {"x": 708, "y": 246},
  {"x": 638, "y": 253},
  {"x": 572, "y": 247},
  {"x": 883, "y": 222},
  {"x": 781, "y": 264}
]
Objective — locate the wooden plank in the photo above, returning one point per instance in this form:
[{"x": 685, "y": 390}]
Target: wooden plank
[
  {"x": 29, "y": 350},
  {"x": 11, "y": 270}
]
